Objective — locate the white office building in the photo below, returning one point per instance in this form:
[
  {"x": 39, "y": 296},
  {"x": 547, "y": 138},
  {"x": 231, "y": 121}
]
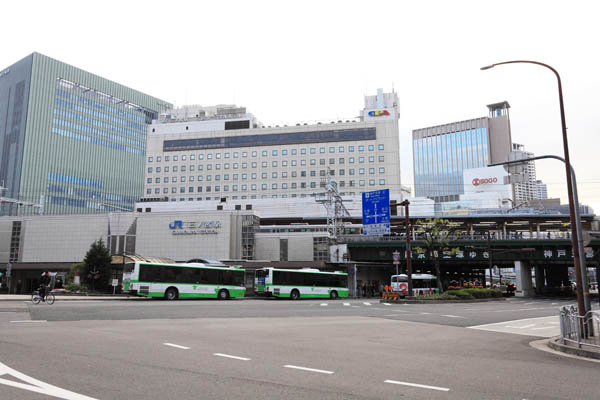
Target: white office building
[{"x": 201, "y": 154}]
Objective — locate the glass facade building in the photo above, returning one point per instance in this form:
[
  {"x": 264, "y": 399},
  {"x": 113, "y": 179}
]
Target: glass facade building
[
  {"x": 441, "y": 153},
  {"x": 71, "y": 141}
]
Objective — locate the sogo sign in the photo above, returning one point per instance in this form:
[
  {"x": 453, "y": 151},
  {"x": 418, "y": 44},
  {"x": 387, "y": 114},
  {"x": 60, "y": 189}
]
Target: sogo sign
[{"x": 477, "y": 181}]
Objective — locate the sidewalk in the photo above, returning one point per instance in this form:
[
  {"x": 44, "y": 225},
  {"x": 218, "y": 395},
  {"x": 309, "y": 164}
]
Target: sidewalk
[
  {"x": 571, "y": 348},
  {"x": 69, "y": 297}
]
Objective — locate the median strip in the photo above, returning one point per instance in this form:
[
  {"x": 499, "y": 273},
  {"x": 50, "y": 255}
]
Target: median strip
[
  {"x": 321, "y": 371},
  {"x": 442, "y": 389}
]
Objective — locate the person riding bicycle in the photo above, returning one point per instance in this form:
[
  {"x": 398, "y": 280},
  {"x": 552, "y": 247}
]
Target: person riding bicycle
[{"x": 44, "y": 284}]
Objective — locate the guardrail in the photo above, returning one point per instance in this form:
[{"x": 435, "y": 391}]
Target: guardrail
[{"x": 581, "y": 330}]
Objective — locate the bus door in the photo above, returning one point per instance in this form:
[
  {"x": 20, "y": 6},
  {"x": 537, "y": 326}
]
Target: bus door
[{"x": 259, "y": 280}]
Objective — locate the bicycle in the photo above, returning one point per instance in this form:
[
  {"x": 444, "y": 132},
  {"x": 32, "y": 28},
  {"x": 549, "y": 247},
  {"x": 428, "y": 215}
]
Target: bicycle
[{"x": 36, "y": 298}]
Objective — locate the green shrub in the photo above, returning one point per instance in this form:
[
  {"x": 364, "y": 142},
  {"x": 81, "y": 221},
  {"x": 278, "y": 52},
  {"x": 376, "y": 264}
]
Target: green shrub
[
  {"x": 71, "y": 287},
  {"x": 474, "y": 293},
  {"x": 443, "y": 296}
]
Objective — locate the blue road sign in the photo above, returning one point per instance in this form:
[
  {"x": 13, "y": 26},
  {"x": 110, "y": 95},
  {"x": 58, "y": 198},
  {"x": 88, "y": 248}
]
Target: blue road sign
[{"x": 376, "y": 212}]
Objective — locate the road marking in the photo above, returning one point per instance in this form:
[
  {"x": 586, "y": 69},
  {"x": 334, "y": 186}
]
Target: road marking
[
  {"x": 442, "y": 389},
  {"x": 386, "y": 304},
  {"x": 425, "y": 313},
  {"x": 33, "y": 385},
  {"x": 545, "y": 327},
  {"x": 451, "y": 316},
  {"x": 346, "y": 304},
  {"x": 230, "y": 356},
  {"x": 30, "y": 320},
  {"x": 321, "y": 371},
  {"x": 532, "y": 302},
  {"x": 367, "y": 304},
  {"x": 176, "y": 346},
  {"x": 519, "y": 327},
  {"x": 355, "y": 306},
  {"x": 323, "y": 304}
]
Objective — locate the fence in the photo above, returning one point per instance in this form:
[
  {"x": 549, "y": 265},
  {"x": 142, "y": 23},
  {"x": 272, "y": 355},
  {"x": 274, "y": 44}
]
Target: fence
[{"x": 581, "y": 330}]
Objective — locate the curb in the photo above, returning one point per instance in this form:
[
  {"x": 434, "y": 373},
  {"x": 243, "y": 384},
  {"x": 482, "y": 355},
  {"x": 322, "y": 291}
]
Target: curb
[
  {"x": 555, "y": 344},
  {"x": 441, "y": 301}
]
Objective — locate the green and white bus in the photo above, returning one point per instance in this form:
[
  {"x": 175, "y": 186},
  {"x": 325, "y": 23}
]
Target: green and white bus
[
  {"x": 300, "y": 283},
  {"x": 194, "y": 280}
]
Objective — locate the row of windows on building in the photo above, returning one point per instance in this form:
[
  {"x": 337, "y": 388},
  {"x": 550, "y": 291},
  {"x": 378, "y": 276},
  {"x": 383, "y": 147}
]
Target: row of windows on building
[
  {"x": 253, "y": 197},
  {"x": 265, "y": 153},
  {"x": 116, "y": 146},
  {"x": 263, "y": 186},
  {"x": 60, "y": 111},
  {"x": 264, "y": 175},
  {"x": 264, "y": 164},
  {"x": 97, "y": 132}
]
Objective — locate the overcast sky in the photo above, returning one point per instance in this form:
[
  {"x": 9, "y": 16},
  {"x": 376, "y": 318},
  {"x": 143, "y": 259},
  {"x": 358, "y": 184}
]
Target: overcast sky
[{"x": 292, "y": 61}]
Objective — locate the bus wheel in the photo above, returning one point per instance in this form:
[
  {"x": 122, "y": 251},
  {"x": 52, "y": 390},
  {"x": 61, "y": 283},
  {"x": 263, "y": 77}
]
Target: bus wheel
[
  {"x": 295, "y": 294},
  {"x": 171, "y": 293},
  {"x": 333, "y": 295},
  {"x": 223, "y": 294}
]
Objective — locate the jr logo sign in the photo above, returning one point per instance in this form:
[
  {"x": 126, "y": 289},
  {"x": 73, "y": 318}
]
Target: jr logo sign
[{"x": 177, "y": 224}]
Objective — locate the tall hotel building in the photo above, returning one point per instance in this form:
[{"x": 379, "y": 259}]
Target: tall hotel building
[
  {"x": 199, "y": 154},
  {"x": 72, "y": 141},
  {"x": 441, "y": 153}
]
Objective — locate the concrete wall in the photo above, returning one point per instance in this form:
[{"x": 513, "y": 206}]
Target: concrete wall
[
  {"x": 5, "y": 236},
  {"x": 60, "y": 239}
]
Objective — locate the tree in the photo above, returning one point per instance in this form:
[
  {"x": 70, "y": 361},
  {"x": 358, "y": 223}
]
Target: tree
[
  {"x": 436, "y": 233},
  {"x": 97, "y": 262}
]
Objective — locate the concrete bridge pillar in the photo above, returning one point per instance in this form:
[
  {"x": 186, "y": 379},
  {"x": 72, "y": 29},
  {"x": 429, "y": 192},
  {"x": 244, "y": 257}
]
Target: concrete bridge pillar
[
  {"x": 524, "y": 283},
  {"x": 540, "y": 279}
]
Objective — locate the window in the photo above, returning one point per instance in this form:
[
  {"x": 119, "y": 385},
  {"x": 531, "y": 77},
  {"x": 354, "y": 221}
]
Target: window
[
  {"x": 361, "y": 160},
  {"x": 254, "y": 164},
  {"x": 331, "y": 161},
  {"x": 371, "y": 170},
  {"x": 264, "y": 175},
  {"x": 381, "y": 158},
  {"x": 274, "y": 152},
  {"x": 192, "y": 167},
  {"x": 382, "y": 181},
  {"x": 322, "y": 172},
  {"x": 149, "y": 180},
  {"x": 183, "y": 179},
  {"x": 361, "y": 171},
  {"x": 191, "y": 179},
  {"x": 351, "y": 171},
  {"x": 174, "y": 158},
  {"x": 371, "y": 147},
  {"x": 263, "y": 186},
  {"x": 265, "y": 153},
  {"x": 351, "y": 160},
  {"x": 294, "y": 185},
  {"x": 284, "y": 152},
  {"x": 371, "y": 159},
  {"x": 226, "y": 155},
  {"x": 218, "y": 155},
  {"x": 294, "y": 163},
  {"x": 173, "y": 190},
  {"x": 253, "y": 175},
  {"x": 284, "y": 174},
  {"x": 158, "y": 158},
  {"x": 274, "y": 163},
  {"x": 351, "y": 148},
  {"x": 217, "y": 166},
  {"x": 284, "y": 185},
  {"x": 148, "y": 191},
  {"x": 149, "y": 159},
  {"x": 313, "y": 173},
  {"x": 274, "y": 175},
  {"x": 174, "y": 179},
  {"x": 167, "y": 158},
  {"x": 294, "y": 152},
  {"x": 254, "y": 154},
  {"x": 313, "y": 150},
  {"x": 313, "y": 185},
  {"x": 200, "y": 167},
  {"x": 235, "y": 165},
  {"x": 303, "y": 152},
  {"x": 165, "y": 190},
  {"x": 226, "y": 177},
  {"x": 380, "y": 147},
  {"x": 274, "y": 186},
  {"x": 382, "y": 170},
  {"x": 166, "y": 179},
  {"x": 341, "y": 161},
  {"x": 302, "y": 173},
  {"x": 236, "y": 154},
  {"x": 342, "y": 172},
  {"x": 332, "y": 149},
  {"x": 208, "y": 166},
  {"x": 294, "y": 174},
  {"x": 183, "y": 158},
  {"x": 341, "y": 149},
  {"x": 157, "y": 180},
  {"x": 244, "y": 176},
  {"x": 303, "y": 185},
  {"x": 322, "y": 161},
  {"x": 284, "y": 163},
  {"x": 199, "y": 178},
  {"x": 200, "y": 156},
  {"x": 183, "y": 168},
  {"x": 199, "y": 189},
  {"x": 371, "y": 182},
  {"x": 149, "y": 170},
  {"x": 217, "y": 177},
  {"x": 192, "y": 156},
  {"x": 361, "y": 148},
  {"x": 191, "y": 189},
  {"x": 235, "y": 188},
  {"x": 235, "y": 177},
  {"x": 226, "y": 166}
]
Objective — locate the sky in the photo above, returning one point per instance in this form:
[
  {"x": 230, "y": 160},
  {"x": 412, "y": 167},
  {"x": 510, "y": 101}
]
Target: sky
[{"x": 303, "y": 61}]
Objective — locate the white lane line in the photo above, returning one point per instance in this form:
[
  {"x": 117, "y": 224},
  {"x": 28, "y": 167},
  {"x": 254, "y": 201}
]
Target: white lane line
[
  {"x": 554, "y": 304},
  {"x": 37, "y": 386},
  {"x": 355, "y": 306},
  {"x": 451, "y": 316},
  {"x": 321, "y": 371},
  {"x": 230, "y": 356},
  {"x": 442, "y": 389},
  {"x": 176, "y": 346},
  {"x": 545, "y": 327},
  {"x": 346, "y": 304},
  {"x": 323, "y": 304},
  {"x": 30, "y": 320},
  {"x": 532, "y": 302},
  {"x": 367, "y": 304},
  {"x": 425, "y": 313},
  {"x": 386, "y": 304}
]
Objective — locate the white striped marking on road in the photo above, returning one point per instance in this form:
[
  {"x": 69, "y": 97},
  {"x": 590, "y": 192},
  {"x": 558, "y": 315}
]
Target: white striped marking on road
[
  {"x": 355, "y": 306},
  {"x": 451, "y": 316},
  {"x": 176, "y": 346},
  {"x": 386, "y": 304},
  {"x": 37, "y": 386},
  {"x": 321, "y": 371},
  {"x": 425, "y": 313},
  {"x": 230, "y": 356},
  {"x": 442, "y": 389},
  {"x": 346, "y": 304},
  {"x": 323, "y": 304},
  {"x": 519, "y": 327},
  {"x": 367, "y": 304},
  {"x": 30, "y": 320}
]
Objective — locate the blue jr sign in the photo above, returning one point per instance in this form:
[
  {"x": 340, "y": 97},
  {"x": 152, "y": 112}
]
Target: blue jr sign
[{"x": 376, "y": 212}]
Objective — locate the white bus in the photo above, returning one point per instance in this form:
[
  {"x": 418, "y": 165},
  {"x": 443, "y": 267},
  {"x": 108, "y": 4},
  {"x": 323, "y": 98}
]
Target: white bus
[
  {"x": 423, "y": 284},
  {"x": 194, "y": 280},
  {"x": 297, "y": 283}
]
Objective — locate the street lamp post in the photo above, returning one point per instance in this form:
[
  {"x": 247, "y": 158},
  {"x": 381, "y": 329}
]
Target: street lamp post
[{"x": 574, "y": 236}]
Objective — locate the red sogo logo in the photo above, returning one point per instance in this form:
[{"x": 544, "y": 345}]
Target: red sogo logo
[{"x": 477, "y": 181}]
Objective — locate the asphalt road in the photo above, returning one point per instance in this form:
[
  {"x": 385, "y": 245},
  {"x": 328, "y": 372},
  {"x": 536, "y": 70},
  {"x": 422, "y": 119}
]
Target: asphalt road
[{"x": 281, "y": 350}]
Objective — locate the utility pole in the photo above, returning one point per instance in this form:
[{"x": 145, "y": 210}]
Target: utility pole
[{"x": 406, "y": 203}]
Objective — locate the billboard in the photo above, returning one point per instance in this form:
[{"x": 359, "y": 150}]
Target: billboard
[{"x": 488, "y": 180}]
